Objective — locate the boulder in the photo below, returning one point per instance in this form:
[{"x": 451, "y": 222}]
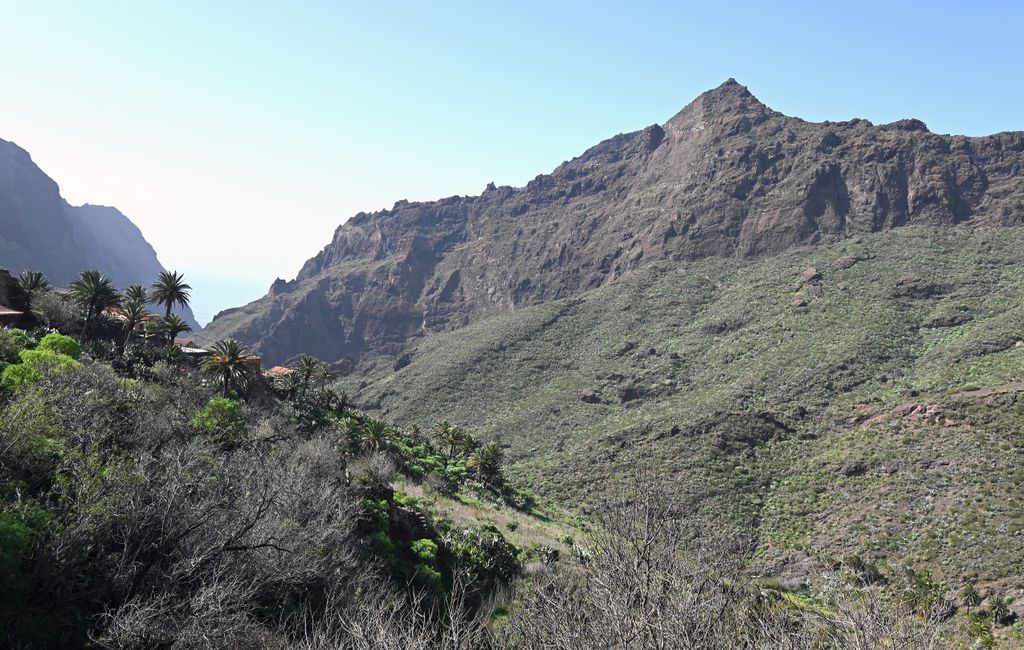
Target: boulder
[{"x": 810, "y": 274}]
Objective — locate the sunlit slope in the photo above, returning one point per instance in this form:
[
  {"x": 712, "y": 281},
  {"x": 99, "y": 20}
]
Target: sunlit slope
[{"x": 738, "y": 384}]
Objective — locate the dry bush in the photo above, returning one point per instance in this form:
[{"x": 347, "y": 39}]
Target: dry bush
[
  {"x": 654, "y": 579},
  {"x": 381, "y": 618}
]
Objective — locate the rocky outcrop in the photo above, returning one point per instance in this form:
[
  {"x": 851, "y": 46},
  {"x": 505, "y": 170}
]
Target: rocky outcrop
[
  {"x": 11, "y": 294},
  {"x": 40, "y": 231},
  {"x": 726, "y": 176}
]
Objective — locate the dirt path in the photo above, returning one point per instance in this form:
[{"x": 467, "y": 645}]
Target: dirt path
[{"x": 992, "y": 390}]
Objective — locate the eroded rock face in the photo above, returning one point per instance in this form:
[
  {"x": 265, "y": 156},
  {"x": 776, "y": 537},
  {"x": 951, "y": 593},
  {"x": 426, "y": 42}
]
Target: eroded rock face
[
  {"x": 725, "y": 176},
  {"x": 41, "y": 232},
  {"x": 11, "y": 294}
]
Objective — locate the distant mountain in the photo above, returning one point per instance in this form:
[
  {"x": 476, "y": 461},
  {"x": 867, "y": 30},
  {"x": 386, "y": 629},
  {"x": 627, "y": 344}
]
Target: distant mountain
[
  {"x": 727, "y": 176},
  {"x": 39, "y": 230}
]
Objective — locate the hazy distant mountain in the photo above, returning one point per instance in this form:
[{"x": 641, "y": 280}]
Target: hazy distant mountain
[
  {"x": 39, "y": 230},
  {"x": 727, "y": 176}
]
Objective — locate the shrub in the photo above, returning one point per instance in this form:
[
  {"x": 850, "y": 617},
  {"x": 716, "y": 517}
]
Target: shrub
[
  {"x": 54, "y": 310},
  {"x": 16, "y": 376},
  {"x": 483, "y": 549},
  {"x": 60, "y": 344},
  {"x": 47, "y": 362},
  {"x": 12, "y": 342},
  {"x": 20, "y": 528},
  {"x": 219, "y": 415},
  {"x": 428, "y": 574},
  {"x": 425, "y": 549}
]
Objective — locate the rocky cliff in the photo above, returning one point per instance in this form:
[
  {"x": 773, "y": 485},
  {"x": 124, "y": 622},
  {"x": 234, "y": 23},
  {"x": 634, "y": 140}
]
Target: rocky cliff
[
  {"x": 726, "y": 176},
  {"x": 39, "y": 230}
]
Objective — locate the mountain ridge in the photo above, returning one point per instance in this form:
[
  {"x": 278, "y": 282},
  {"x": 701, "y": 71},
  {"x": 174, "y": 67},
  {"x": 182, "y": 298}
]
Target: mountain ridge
[
  {"x": 43, "y": 232},
  {"x": 725, "y": 176}
]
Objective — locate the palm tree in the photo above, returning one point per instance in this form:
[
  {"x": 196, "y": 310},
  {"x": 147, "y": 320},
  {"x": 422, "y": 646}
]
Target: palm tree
[
  {"x": 305, "y": 368},
  {"x": 134, "y": 312},
  {"x": 228, "y": 363},
  {"x": 450, "y": 437},
  {"x": 170, "y": 289},
  {"x": 340, "y": 402},
  {"x": 324, "y": 374},
  {"x": 94, "y": 292},
  {"x": 374, "y": 435},
  {"x": 33, "y": 281},
  {"x": 970, "y": 596},
  {"x": 136, "y": 293},
  {"x": 172, "y": 326},
  {"x": 999, "y": 609},
  {"x": 289, "y": 384},
  {"x": 485, "y": 462}
]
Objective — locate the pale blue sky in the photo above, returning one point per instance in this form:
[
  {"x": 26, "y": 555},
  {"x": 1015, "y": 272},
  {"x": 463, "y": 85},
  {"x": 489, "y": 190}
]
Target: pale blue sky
[{"x": 238, "y": 135}]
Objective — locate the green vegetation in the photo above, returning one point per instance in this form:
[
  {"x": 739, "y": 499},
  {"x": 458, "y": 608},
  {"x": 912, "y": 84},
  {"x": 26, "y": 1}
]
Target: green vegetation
[
  {"x": 170, "y": 289},
  {"x": 93, "y": 292},
  {"x": 33, "y": 281},
  {"x": 860, "y": 451},
  {"x": 130, "y": 482},
  {"x": 220, "y": 414},
  {"x": 704, "y": 377},
  {"x": 60, "y": 344}
]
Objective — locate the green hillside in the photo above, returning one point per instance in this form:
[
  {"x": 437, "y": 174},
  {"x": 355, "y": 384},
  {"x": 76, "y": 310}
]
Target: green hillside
[{"x": 747, "y": 390}]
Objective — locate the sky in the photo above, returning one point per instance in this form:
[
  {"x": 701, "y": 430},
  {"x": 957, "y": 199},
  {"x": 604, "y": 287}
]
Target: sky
[{"x": 239, "y": 134}]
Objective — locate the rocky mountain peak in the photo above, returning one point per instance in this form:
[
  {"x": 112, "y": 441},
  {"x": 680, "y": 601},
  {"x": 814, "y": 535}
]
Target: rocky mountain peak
[
  {"x": 730, "y": 105},
  {"x": 727, "y": 176}
]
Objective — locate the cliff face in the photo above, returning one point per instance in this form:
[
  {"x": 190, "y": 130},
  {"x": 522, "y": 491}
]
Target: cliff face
[
  {"x": 40, "y": 231},
  {"x": 726, "y": 176}
]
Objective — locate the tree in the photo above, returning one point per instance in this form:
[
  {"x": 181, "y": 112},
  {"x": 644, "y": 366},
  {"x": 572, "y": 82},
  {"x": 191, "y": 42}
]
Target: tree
[
  {"x": 999, "y": 609},
  {"x": 137, "y": 293},
  {"x": 450, "y": 437},
  {"x": 134, "y": 312},
  {"x": 289, "y": 384},
  {"x": 970, "y": 596},
  {"x": 306, "y": 367},
  {"x": 324, "y": 374},
  {"x": 374, "y": 434},
  {"x": 33, "y": 281},
  {"x": 170, "y": 289},
  {"x": 229, "y": 364},
  {"x": 485, "y": 463},
  {"x": 93, "y": 292},
  {"x": 172, "y": 326}
]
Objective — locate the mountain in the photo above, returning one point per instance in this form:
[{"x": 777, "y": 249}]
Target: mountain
[
  {"x": 812, "y": 334},
  {"x": 863, "y": 397},
  {"x": 725, "y": 177},
  {"x": 41, "y": 231}
]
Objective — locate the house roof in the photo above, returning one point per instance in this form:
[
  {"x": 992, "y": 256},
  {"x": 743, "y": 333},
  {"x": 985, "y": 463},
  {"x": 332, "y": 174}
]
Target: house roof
[{"x": 278, "y": 371}]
